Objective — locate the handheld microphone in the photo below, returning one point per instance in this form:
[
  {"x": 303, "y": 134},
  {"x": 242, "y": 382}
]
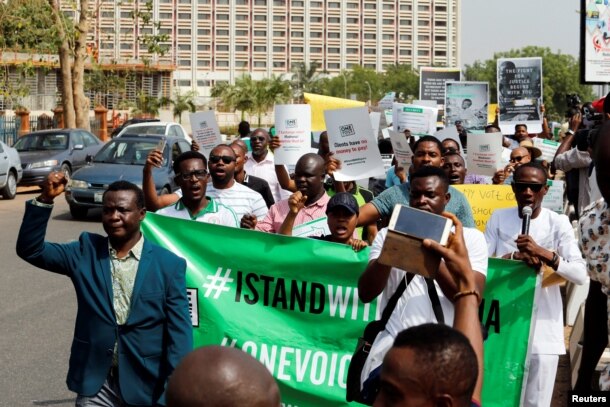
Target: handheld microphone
[{"x": 526, "y": 212}]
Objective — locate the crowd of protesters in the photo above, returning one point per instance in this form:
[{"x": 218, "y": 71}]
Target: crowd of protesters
[{"x": 132, "y": 338}]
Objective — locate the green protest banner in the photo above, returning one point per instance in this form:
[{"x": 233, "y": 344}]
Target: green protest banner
[
  {"x": 507, "y": 312},
  {"x": 290, "y": 302},
  {"x": 293, "y": 304}
]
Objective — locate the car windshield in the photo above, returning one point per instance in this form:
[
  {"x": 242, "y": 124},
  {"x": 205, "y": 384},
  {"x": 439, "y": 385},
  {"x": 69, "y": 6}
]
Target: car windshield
[
  {"x": 152, "y": 129},
  {"x": 36, "y": 142},
  {"x": 132, "y": 152}
]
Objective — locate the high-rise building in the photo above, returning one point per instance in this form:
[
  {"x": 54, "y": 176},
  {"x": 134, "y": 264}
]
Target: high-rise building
[{"x": 218, "y": 40}]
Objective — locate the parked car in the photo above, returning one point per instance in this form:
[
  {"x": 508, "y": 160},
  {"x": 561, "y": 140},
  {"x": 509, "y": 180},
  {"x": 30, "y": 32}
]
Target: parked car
[
  {"x": 122, "y": 158},
  {"x": 52, "y": 150},
  {"x": 128, "y": 122},
  {"x": 10, "y": 171},
  {"x": 158, "y": 128}
]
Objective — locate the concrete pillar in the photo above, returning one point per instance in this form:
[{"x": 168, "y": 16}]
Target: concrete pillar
[
  {"x": 59, "y": 116},
  {"x": 24, "y": 116},
  {"x": 100, "y": 116}
]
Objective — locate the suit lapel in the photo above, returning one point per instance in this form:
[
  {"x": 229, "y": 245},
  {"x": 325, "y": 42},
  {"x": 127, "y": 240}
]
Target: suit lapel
[
  {"x": 106, "y": 273},
  {"x": 143, "y": 267}
]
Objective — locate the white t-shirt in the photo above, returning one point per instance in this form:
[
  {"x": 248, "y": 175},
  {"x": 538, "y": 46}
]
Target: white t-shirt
[
  {"x": 240, "y": 198},
  {"x": 215, "y": 213},
  {"x": 266, "y": 170},
  {"x": 414, "y": 306},
  {"x": 552, "y": 232}
]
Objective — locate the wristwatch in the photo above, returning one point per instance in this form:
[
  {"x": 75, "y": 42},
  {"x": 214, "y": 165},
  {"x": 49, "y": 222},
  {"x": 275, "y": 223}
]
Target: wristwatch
[{"x": 570, "y": 132}]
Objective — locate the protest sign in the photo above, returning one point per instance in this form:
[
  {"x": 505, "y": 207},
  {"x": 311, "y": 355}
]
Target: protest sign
[
  {"x": 595, "y": 51},
  {"x": 449, "y": 132},
  {"x": 375, "y": 121},
  {"x": 548, "y": 148},
  {"x": 205, "y": 131},
  {"x": 293, "y": 304},
  {"x": 484, "y": 199},
  {"x": 387, "y": 101},
  {"x": 520, "y": 93},
  {"x": 321, "y": 103},
  {"x": 553, "y": 199},
  {"x": 350, "y": 138},
  {"x": 421, "y": 120},
  {"x": 402, "y": 150},
  {"x": 388, "y": 116},
  {"x": 484, "y": 154},
  {"x": 293, "y": 127},
  {"x": 432, "y": 82},
  {"x": 467, "y": 102},
  {"x": 507, "y": 312}
]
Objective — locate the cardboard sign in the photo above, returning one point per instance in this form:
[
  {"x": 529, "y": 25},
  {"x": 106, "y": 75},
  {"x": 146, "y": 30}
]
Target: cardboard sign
[
  {"x": 350, "y": 138},
  {"x": 548, "y": 148},
  {"x": 484, "y": 153},
  {"x": 467, "y": 102},
  {"x": 421, "y": 120},
  {"x": 205, "y": 131},
  {"x": 402, "y": 150},
  {"x": 293, "y": 127},
  {"x": 553, "y": 199},
  {"x": 484, "y": 199}
]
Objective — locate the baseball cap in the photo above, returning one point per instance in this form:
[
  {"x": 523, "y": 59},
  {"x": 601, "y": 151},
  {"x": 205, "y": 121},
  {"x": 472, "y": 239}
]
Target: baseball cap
[{"x": 345, "y": 200}]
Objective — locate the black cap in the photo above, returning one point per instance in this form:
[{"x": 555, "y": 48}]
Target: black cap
[{"x": 344, "y": 199}]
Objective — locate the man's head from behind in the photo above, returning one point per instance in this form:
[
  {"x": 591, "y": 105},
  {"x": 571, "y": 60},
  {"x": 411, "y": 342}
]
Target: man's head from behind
[
  {"x": 427, "y": 151},
  {"x": 123, "y": 211},
  {"x": 192, "y": 176},
  {"x": 429, "y": 190},
  {"x": 221, "y": 376},
  {"x": 428, "y": 365},
  {"x": 243, "y": 129}
]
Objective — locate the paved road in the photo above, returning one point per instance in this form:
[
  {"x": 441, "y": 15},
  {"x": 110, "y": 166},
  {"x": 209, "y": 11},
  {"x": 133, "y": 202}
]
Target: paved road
[{"x": 37, "y": 311}]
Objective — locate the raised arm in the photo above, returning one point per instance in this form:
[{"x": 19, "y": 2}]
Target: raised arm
[
  {"x": 296, "y": 202},
  {"x": 153, "y": 201}
]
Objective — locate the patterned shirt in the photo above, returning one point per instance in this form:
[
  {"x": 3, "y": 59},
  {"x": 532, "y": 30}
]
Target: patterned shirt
[
  {"x": 215, "y": 213},
  {"x": 123, "y": 273},
  {"x": 595, "y": 245},
  {"x": 277, "y": 213}
]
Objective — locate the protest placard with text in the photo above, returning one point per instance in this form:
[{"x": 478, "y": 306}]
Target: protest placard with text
[
  {"x": 484, "y": 153},
  {"x": 420, "y": 120},
  {"x": 350, "y": 138},
  {"x": 205, "y": 131},
  {"x": 402, "y": 150},
  {"x": 484, "y": 199},
  {"x": 547, "y": 147},
  {"x": 467, "y": 102},
  {"x": 320, "y": 103},
  {"x": 293, "y": 127}
]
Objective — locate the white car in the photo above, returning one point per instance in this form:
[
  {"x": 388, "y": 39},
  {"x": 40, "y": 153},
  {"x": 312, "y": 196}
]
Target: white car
[
  {"x": 10, "y": 171},
  {"x": 156, "y": 128}
]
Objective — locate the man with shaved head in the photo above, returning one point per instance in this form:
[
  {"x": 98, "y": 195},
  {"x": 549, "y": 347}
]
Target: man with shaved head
[
  {"x": 309, "y": 178},
  {"x": 221, "y": 376},
  {"x": 518, "y": 157}
]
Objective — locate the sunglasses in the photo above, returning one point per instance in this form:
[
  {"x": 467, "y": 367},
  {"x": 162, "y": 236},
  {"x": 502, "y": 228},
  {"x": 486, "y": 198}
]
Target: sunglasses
[
  {"x": 517, "y": 159},
  {"x": 199, "y": 174},
  {"x": 215, "y": 159},
  {"x": 522, "y": 186},
  {"x": 257, "y": 138}
]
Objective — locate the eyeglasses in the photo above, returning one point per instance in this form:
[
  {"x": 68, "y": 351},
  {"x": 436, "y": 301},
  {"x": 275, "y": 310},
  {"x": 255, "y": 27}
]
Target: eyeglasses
[
  {"x": 215, "y": 159},
  {"x": 199, "y": 174},
  {"x": 522, "y": 186},
  {"x": 257, "y": 138},
  {"x": 518, "y": 158}
]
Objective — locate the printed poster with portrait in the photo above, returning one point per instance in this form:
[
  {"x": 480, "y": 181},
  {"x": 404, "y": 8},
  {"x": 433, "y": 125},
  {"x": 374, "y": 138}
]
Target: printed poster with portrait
[
  {"x": 520, "y": 93},
  {"x": 467, "y": 102}
]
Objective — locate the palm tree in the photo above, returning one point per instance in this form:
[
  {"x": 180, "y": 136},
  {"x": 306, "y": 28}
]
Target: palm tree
[
  {"x": 304, "y": 79},
  {"x": 268, "y": 93},
  {"x": 236, "y": 97},
  {"x": 149, "y": 106},
  {"x": 182, "y": 103}
]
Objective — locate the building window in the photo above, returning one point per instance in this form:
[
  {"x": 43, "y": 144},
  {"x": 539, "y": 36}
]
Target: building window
[
  {"x": 440, "y": 9},
  {"x": 334, "y": 4},
  {"x": 221, "y": 47},
  {"x": 440, "y": 23},
  {"x": 203, "y": 47},
  {"x": 128, "y": 14},
  {"x": 222, "y": 17},
  {"x": 315, "y": 19},
  {"x": 242, "y": 17},
  {"x": 279, "y": 64},
  {"x": 314, "y": 34},
  {"x": 184, "y": 16},
  {"x": 279, "y": 33},
  {"x": 260, "y": 48},
  {"x": 184, "y": 47},
  {"x": 405, "y": 52},
  {"x": 241, "y": 33},
  {"x": 241, "y": 64},
  {"x": 352, "y": 50},
  {"x": 184, "y": 62},
  {"x": 369, "y": 6},
  {"x": 350, "y": 36},
  {"x": 388, "y": 21},
  {"x": 405, "y": 22},
  {"x": 388, "y": 37},
  {"x": 203, "y": 31},
  {"x": 315, "y": 49},
  {"x": 203, "y": 16},
  {"x": 241, "y": 48},
  {"x": 352, "y": 20},
  {"x": 296, "y": 49},
  {"x": 333, "y": 50},
  {"x": 297, "y": 4},
  {"x": 184, "y": 31},
  {"x": 423, "y": 53},
  {"x": 260, "y": 2},
  {"x": 440, "y": 38},
  {"x": 260, "y": 33},
  {"x": 423, "y": 38},
  {"x": 405, "y": 37},
  {"x": 406, "y": 7},
  {"x": 370, "y": 36},
  {"x": 423, "y": 23},
  {"x": 370, "y": 51},
  {"x": 222, "y": 32},
  {"x": 279, "y": 49},
  {"x": 387, "y": 51},
  {"x": 202, "y": 83},
  {"x": 440, "y": 53},
  {"x": 162, "y": 16},
  {"x": 260, "y": 64},
  {"x": 388, "y": 6},
  {"x": 126, "y": 46},
  {"x": 423, "y": 7},
  {"x": 279, "y": 18},
  {"x": 333, "y": 65},
  {"x": 222, "y": 64},
  {"x": 297, "y": 19},
  {"x": 183, "y": 82},
  {"x": 203, "y": 62},
  {"x": 370, "y": 21},
  {"x": 295, "y": 34},
  {"x": 260, "y": 17}
]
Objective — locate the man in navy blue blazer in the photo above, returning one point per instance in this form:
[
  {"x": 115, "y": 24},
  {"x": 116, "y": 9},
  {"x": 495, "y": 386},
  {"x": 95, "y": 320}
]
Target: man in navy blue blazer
[{"x": 132, "y": 326}]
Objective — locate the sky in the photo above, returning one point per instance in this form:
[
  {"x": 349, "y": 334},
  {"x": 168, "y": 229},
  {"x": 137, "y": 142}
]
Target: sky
[{"x": 490, "y": 26}]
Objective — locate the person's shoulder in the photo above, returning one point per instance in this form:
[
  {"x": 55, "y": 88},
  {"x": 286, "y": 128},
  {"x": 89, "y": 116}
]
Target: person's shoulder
[
  {"x": 257, "y": 181},
  {"x": 161, "y": 253},
  {"x": 473, "y": 235},
  {"x": 456, "y": 193}
]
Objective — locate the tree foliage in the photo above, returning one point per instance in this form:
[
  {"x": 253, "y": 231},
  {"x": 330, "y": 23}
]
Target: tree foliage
[
  {"x": 560, "y": 77},
  {"x": 183, "y": 102}
]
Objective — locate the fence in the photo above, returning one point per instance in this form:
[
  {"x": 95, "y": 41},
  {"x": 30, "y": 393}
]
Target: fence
[{"x": 9, "y": 126}]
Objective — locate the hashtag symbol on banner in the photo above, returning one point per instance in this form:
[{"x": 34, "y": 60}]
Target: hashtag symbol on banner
[{"x": 217, "y": 283}]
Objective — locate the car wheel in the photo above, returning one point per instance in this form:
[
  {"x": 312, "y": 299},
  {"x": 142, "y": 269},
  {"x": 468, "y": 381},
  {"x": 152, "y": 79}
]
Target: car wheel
[
  {"x": 78, "y": 212},
  {"x": 10, "y": 189},
  {"x": 65, "y": 168}
]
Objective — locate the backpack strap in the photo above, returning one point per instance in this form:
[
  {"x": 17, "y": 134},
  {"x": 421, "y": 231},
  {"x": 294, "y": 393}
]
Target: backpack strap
[
  {"x": 389, "y": 308},
  {"x": 436, "y": 303}
]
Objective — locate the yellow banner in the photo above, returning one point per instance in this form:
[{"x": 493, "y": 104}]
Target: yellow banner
[
  {"x": 321, "y": 103},
  {"x": 484, "y": 199}
]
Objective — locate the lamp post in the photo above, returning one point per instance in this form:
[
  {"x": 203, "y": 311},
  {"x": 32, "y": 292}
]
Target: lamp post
[{"x": 370, "y": 93}]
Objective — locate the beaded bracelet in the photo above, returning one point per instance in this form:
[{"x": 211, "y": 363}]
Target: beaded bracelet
[{"x": 465, "y": 293}]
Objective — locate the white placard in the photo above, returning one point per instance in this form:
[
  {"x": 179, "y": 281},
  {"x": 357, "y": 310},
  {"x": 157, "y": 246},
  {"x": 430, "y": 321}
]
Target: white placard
[
  {"x": 375, "y": 120},
  {"x": 484, "y": 153},
  {"x": 386, "y": 132},
  {"x": 205, "y": 131},
  {"x": 293, "y": 127},
  {"x": 388, "y": 117},
  {"x": 548, "y": 148},
  {"x": 452, "y": 133},
  {"x": 402, "y": 150},
  {"x": 350, "y": 138},
  {"x": 421, "y": 120},
  {"x": 553, "y": 200},
  {"x": 387, "y": 101}
]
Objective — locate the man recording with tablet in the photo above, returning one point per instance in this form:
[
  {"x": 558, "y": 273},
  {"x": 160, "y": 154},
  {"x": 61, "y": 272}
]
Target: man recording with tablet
[{"x": 423, "y": 300}]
